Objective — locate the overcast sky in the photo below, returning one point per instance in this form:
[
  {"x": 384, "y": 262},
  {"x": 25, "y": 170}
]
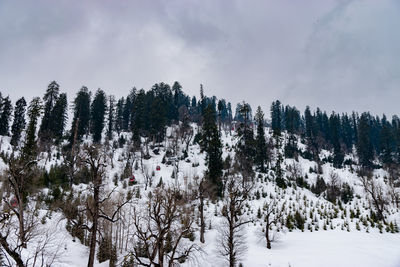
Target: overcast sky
[{"x": 338, "y": 55}]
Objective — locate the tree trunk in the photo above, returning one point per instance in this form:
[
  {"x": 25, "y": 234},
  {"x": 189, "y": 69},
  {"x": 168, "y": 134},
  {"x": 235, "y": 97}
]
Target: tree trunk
[
  {"x": 202, "y": 223},
  {"x": 22, "y": 236},
  {"x": 93, "y": 237},
  {"x": 232, "y": 258},
  {"x": 267, "y": 236},
  {"x": 16, "y": 257}
]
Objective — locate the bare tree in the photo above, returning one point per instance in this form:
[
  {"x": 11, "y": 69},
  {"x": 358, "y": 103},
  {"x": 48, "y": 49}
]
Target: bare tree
[
  {"x": 161, "y": 229},
  {"x": 19, "y": 175},
  {"x": 376, "y": 194},
  {"x": 95, "y": 160},
  {"x": 272, "y": 216},
  {"x": 200, "y": 194},
  {"x": 231, "y": 238}
]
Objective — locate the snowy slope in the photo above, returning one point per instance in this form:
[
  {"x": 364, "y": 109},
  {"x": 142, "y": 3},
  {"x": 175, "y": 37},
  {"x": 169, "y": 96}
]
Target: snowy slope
[{"x": 331, "y": 237}]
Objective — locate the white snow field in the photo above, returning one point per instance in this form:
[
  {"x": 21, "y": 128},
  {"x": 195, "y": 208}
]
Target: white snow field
[{"x": 296, "y": 249}]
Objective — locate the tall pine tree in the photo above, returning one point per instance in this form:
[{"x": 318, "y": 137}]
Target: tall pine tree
[
  {"x": 59, "y": 116},
  {"x": 5, "y": 116},
  {"x": 111, "y": 116},
  {"x": 97, "y": 115},
  {"x": 29, "y": 151},
  {"x": 364, "y": 145},
  {"x": 50, "y": 97},
  {"x": 261, "y": 144},
  {"x": 276, "y": 117},
  {"x": 80, "y": 122},
  {"x": 211, "y": 143},
  {"x": 19, "y": 121}
]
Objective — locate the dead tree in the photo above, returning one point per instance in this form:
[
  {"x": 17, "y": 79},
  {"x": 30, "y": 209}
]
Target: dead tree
[
  {"x": 200, "y": 194},
  {"x": 231, "y": 238},
  {"x": 159, "y": 236},
  {"x": 19, "y": 176},
  {"x": 376, "y": 195},
  {"x": 95, "y": 161},
  {"x": 272, "y": 216}
]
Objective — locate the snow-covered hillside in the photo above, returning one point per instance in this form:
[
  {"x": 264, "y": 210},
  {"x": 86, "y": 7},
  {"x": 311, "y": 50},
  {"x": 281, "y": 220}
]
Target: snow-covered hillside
[{"x": 312, "y": 231}]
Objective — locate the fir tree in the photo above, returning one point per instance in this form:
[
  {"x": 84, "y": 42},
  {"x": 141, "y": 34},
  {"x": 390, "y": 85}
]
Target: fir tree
[
  {"x": 5, "y": 116},
  {"x": 279, "y": 173},
  {"x": 276, "y": 117},
  {"x": 211, "y": 143},
  {"x": 80, "y": 122},
  {"x": 119, "y": 115},
  {"x": 97, "y": 115},
  {"x": 50, "y": 98},
  {"x": 386, "y": 142},
  {"x": 59, "y": 116},
  {"x": 334, "y": 125},
  {"x": 34, "y": 111},
  {"x": 261, "y": 144},
  {"x": 364, "y": 146},
  {"x": 111, "y": 116},
  {"x": 126, "y": 114},
  {"x": 19, "y": 121}
]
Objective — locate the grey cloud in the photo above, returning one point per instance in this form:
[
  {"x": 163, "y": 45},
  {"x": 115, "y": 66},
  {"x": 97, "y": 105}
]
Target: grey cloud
[{"x": 339, "y": 55}]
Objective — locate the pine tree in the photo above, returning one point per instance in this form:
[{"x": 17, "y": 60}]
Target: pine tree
[
  {"x": 111, "y": 116},
  {"x": 50, "y": 98},
  {"x": 334, "y": 125},
  {"x": 5, "y": 116},
  {"x": 211, "y": 144},
  {"x": 34, "y": 111},
  {"x": 19, "y": 121},
  {"x": 97, "y": 115},
  {"x": 59, "y": 117},
  {"x": 80, "y": 122},
  {"x": 364, "y": 146},
  {"x": 245, "y": 147},
  {"x": 276, "y": 117},
  {"x": 261, "y": 144},
  {"x": 386, "y": 142},
  {"x": 139, "y": 117},
  {"x": 126, "y": 115},
  {"x": 279, "y": 173},
  {"x": 119, "y": 115}
]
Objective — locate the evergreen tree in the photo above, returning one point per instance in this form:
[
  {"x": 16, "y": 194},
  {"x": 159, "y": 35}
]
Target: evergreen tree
[
  {"x": 245, "y": 147},
  {"x": 119, "y": 119},
  {"x": 386, "y": 142},
  {"x": 50, "y": 98},
  {"x": 279, "y": 173},
  {"x": 292, "y": 126},
  {"x": 30, "y": 147},
  {"x": 276, "y": 118},
  {"x": 126, "y": 113},
  {"x": 5, "y": 116},
  {"x": 211, "y": 143},
  {"x": 364, "y": 146},
  {"x": 80, "y": 122},
  {"x": 59, "y": 116},
  {"x": 338, "y": 155},
  {"x": 311, "y": 132},
  {"x": 111, "y": 116},
  {"x": 139, "y": 117},
  {"x": 261, "y": 144},
  {"x": 97, "y": 115},
  {"x": 19, "y": 121}
]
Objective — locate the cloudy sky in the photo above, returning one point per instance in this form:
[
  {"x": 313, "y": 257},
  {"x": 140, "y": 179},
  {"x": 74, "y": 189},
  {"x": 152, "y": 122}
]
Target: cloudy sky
[{"x": 336, "y": 54}]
